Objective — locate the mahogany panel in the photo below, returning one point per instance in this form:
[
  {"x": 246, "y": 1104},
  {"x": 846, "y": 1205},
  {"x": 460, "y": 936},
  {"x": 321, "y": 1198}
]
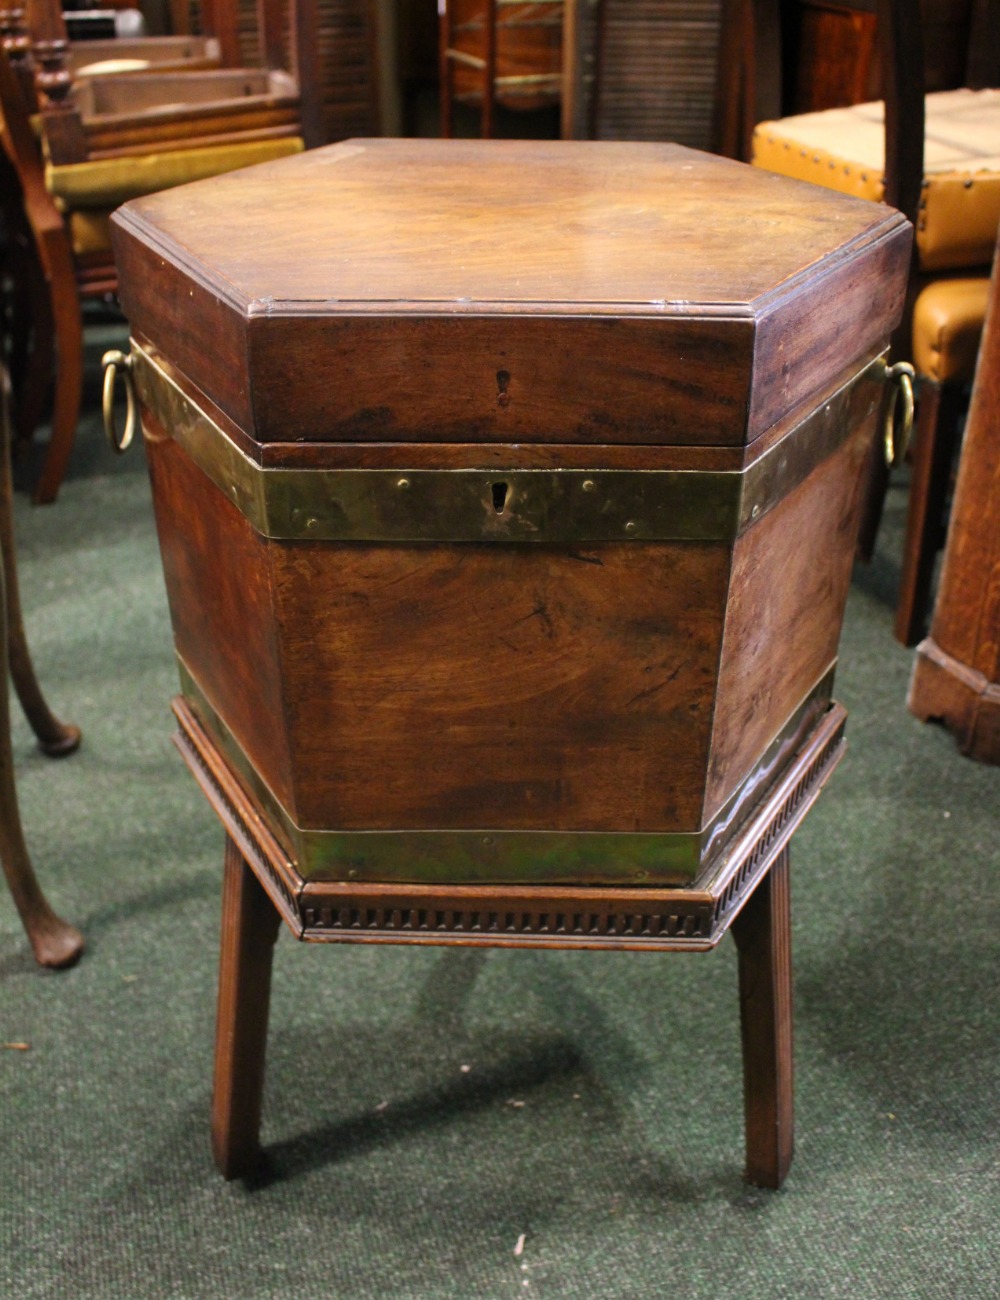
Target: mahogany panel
[
  {"x": 217, "y": 572},
  {"x": 194, "y": 320},
  {"x": 790, "y": 577},
  {"x": 494, "y": 455},
  {"x": 530, "y": 687},
  {"x": 440, "y": 379},
  {"x": 845, "y": 310}
]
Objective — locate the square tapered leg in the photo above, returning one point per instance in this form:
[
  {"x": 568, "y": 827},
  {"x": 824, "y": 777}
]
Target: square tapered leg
[
  {"x": 763, "y": 937},
  {"x": 249, "y": 929}
]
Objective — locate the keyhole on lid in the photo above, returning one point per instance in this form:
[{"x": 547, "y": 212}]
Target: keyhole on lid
[
  {"x": 503, "y": 379},
  {"x": 499, "y": 497}
]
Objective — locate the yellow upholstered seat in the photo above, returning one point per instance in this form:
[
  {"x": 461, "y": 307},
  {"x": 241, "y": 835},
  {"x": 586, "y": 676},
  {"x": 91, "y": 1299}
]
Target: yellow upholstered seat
[
  {"x": 947, "y": 326},
  {"x": 90, "y": 231},
  {"x": 88, "y": 192},
  {"x": 844, "y": 149},
  {"x": 103, "y": 183}
]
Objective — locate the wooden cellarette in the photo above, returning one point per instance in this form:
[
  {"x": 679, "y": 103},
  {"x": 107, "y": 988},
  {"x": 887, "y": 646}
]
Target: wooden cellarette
[{"x": 506, "y": 495}]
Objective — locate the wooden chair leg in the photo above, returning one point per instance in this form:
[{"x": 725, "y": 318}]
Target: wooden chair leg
[
  {"x": 763, "y": 937},
  {"x": 934, "y": 448},
  {"x": 65, "y": 300},
  {"x": 38, "y": 366},
  {"x": 249, "y": 929},
  {"x": 55, "y": 738},
  {"x": 54, "y": 942}
]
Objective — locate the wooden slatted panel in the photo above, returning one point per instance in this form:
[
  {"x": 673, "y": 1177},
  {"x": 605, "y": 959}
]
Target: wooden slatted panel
[
  {"x": 658, "y": 71},
  {"x": 348, "y": 74},
  {"x": 529, "y": 51},
  {"x": 347, "y": 61}
]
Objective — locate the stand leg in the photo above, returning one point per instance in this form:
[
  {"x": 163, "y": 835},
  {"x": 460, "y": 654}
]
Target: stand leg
[
  {"x": 763, "y": 937},
  {"x": 249, "y": 929}
]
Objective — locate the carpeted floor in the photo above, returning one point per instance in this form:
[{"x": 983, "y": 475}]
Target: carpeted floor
[{"x": 428, "y": 1111}]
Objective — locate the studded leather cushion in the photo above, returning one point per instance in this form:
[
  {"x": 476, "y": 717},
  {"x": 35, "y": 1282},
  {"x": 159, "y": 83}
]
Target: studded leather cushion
[{"x": 844, "y": 149}]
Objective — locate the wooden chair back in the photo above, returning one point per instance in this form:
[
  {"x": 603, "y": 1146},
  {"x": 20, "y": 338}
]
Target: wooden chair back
[
  {"x": 808, "y": 55},
  {"x": 221, "y": 21}
]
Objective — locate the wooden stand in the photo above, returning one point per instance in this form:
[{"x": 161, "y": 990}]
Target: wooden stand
[{"x": 747, "y": 887}]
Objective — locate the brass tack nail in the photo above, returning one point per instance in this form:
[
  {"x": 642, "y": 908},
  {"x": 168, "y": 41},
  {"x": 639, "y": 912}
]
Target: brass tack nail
[
  {"x": 630, "y": 526},
  {"x": 755, "y": 512},
  {"x": 403, "y": 483},
  {"x": 588, "y": 485}
]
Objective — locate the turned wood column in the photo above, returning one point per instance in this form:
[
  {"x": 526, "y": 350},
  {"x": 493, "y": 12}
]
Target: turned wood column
[{"x": 956, "y": 678}]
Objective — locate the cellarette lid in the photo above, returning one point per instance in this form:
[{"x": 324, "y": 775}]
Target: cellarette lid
[{"x": 427, "y": 290}]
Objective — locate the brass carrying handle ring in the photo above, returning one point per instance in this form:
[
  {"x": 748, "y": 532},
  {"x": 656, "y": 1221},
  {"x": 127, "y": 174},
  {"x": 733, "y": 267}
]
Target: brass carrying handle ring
[
  {"x": 900, "y": 376},
  {"x": 116, "y": 363}
]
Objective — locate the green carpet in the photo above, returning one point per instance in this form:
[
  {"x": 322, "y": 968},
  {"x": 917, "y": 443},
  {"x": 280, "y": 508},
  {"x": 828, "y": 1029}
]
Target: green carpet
[{"x": 427, "y": 1110}]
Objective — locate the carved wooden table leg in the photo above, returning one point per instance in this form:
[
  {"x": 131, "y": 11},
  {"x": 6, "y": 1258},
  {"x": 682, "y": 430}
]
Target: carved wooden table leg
[
  {"x": 54, "y": 942},
  {"x": 249, "y": 929},
  {"x": 763, "y": 935}
]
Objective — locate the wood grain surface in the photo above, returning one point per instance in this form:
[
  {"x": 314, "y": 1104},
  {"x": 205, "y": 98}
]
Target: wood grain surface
[
  {"x": 956, "y": 676},
  {"x": 217, "y": 572},
  {"x": 510, "y": 291},
  {"x": 787, "y": 592}
]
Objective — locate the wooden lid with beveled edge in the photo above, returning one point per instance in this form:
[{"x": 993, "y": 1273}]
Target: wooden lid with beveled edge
[{"x": 510, "y": 291}]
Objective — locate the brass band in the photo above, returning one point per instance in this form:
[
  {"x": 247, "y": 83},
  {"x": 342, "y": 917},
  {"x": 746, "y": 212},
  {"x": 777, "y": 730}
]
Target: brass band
[
  {"x": 504, "y": 856},
  {"x": 549, "y": 506}
]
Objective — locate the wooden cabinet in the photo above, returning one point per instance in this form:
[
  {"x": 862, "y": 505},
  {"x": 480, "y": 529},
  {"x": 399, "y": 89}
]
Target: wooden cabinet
[
  {"x": 507, "y": 496},
  {"x": 531, "y": 473}
]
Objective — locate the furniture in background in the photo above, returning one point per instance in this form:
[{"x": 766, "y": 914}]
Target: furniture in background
[
  {"x": 944, "y": 176},
  {"x": 506, "y": 580},
  {"x": 54, "y": 942},
  {"x": 276, "y": 96},
  {"x": 93, "y": 163},
  {"x": 662, "y": 70},
  {"x": 96, "y": 58},
  {"x": 341, "y": 39},
  {"x": 506, "y": 51},
  {"x": 956, "y": 675},
  {"x": 620, "y": 69}
]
